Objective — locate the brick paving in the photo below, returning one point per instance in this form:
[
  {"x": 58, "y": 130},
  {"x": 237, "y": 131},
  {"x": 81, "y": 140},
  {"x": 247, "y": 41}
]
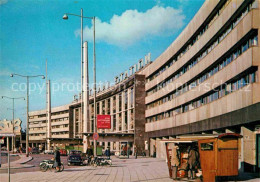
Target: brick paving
[
  {"x": 142, "y": 169},
  {"x": 125, "y": 170}
]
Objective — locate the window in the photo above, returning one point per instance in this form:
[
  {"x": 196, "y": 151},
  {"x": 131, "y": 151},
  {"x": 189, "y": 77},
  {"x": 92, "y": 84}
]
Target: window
[{"x": 207, "y": 146}]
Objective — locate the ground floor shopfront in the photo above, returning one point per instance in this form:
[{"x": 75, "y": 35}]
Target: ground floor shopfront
[{"x": 245, "y": 122}]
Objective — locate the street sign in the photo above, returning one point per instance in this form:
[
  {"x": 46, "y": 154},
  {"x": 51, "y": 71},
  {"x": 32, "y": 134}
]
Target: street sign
[
  {"x": 95, "y": 136},
  {"x": 103, "y": 122},
  {"x": 2, "y": 141}
]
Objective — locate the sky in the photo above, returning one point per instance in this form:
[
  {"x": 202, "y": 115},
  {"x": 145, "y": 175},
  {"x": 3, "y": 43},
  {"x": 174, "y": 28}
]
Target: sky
[{"x": 33, "y": 31}]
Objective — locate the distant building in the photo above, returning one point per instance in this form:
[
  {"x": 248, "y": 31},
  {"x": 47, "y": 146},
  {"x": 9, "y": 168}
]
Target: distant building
[{"x": 6, "y": 126}]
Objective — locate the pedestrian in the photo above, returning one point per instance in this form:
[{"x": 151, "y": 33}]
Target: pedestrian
[
  {"x": 193, "y": 161},
  {"x": 89, "y": 151},
  {"x": 135, "y": 148},
  {"x": 20, "y": 150},
  {"x": 57, "y": 161},
  {"x": 175, "y": 161},
  {"x": 107, "y": 152}
]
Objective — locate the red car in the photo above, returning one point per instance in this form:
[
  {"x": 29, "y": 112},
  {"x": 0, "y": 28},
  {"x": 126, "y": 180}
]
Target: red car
[{"x": 63, "y": 152}]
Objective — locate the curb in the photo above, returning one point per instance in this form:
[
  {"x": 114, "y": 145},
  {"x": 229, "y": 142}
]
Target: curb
[
  {"x": 27, "y": 161},
  {"x": 29, "y": 166}
]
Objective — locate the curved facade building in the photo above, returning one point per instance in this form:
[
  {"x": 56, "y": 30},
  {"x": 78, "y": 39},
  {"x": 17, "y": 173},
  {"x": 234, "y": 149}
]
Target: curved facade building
[{"x": 207, "y": 80}]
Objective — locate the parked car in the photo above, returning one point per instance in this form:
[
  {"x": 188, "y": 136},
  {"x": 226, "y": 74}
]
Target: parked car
[
  {"x": 4, "y": 153},
  {"x": 75, "y": 158},
  {"x": 3, "y": 149},
  {"x": 35, "y": 150},
  {"x": 48, "y": 152},
  {"x": 63, "y": 152}
]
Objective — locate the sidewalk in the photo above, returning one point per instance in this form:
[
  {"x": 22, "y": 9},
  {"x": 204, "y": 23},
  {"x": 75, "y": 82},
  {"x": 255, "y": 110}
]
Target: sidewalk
[
  {"x": 142, "y": 169},
  {"x": 126, "y": 170},
  {"x": 18, "y": 164}
]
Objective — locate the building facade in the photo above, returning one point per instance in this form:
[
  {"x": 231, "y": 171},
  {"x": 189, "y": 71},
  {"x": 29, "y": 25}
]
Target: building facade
[
  {"x": 8, "y": 126},
  {"x": 124, "y": 102},
  {"x": 61, "y": 132},
  {"x": 205, "y": 82}
]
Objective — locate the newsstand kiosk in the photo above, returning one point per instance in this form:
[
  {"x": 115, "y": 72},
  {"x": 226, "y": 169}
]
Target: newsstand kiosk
[{"x": 218, "y": 155}]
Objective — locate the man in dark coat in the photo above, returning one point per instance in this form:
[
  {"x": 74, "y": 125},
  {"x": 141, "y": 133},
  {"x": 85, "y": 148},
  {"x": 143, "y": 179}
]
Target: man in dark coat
[
  {"x": 107, "y": 152},
  {"x": 57, "y": 161},
  {"x": 89, "y": 151}
]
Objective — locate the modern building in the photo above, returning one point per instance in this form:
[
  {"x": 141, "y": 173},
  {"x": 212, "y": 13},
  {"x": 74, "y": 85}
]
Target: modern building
[
  {"x": 61, "y": 132},
  {"x": 124, "y": 102},
  {"x": 205, "y": 82}
]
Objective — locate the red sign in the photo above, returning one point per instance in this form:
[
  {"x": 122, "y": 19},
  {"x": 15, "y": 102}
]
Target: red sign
[
  {"x": 103, "y": 122},
  {"x": 95, "y": 136}
]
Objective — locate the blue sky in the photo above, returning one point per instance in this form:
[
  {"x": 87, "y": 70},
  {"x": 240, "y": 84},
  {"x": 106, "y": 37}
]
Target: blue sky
[{"x": 32, "y": 31}]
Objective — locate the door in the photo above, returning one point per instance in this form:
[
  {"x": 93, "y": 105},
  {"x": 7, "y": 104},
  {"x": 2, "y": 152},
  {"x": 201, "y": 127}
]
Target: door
[{"x": 207, "y": 159}]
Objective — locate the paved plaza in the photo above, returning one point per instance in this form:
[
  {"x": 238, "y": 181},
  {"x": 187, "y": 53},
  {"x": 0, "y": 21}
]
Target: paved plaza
[{"x": 142, "y": 169}]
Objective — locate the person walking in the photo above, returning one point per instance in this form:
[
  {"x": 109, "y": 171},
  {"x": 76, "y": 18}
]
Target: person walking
[
  {"x": 107, "y": 152},
  {"x": 57, "y": 161},
  {"x": 135, "y": 149}
]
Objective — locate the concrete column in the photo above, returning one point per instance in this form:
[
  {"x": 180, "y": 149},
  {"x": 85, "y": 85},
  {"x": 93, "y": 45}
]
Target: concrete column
[
  {"x": 117, "y": 147},
  {"x": 123, "y": 121},
  {"x": 117, "y": 110},
  {"x": 106, "y": 102},
  {"x": 85, "y": 95},
  {"x": 106, "y": 145},
  {"x": 48, "y": 115},
  {"x": 249, "y": 149},
  {"x": 128, "y": 109},
  {"x": 74, "y": 123},
  {"x": 111, "y": 111},
  {"x": 152, "y": 146}
]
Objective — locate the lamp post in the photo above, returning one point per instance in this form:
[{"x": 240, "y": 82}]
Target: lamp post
[
  {"x": 65, "y": 17},
  {"x": 13, "y": 98},
  {"x": 27, "y": 122}
]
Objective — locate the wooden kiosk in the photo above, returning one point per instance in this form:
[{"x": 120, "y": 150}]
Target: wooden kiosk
[{"x": 218, "y": 154}]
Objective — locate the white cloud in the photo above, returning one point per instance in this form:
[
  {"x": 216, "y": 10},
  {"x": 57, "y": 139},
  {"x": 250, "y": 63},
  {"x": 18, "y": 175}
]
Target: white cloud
[
  {"x": 3, "y": 2},
  {"x": 132, "y": 25}
]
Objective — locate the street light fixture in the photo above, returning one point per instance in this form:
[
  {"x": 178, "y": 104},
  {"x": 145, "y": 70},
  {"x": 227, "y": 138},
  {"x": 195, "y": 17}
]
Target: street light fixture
[
  {"x": 13, "y": 98},
  {"x": 65, "y": 17},
  {"x": 27, "y": 122}
]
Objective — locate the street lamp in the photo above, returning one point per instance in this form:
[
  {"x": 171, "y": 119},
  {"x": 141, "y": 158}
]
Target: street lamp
[
  {"x": 27, "y": 122},
  {"x": 65, "y": 17},
  {"x": 13, "y": 98}
]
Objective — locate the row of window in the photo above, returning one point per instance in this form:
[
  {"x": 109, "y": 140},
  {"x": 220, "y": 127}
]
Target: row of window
[
  {"x": 207, "y": 50},
  {"x": 60, "y": 126},
  {"x": 59, "y": 133},
  {"x": 215, "y": 94},
  {"x": 104, "y": 105},
  {"x": 60, "y": 112},
  {"x": 37, "y": 134},
  {"x": 53, "y": 114},
  {"x": 114, "y": 121},
  {"x": 223, "y": 62},
  {"x": 190, "y": 43}
]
